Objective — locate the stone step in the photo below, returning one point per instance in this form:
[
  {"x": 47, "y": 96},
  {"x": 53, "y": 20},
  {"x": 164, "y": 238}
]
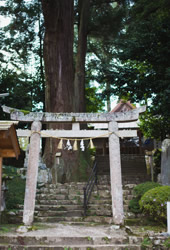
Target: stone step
[
  {"x": 102, "y": 194},
  {"x": 51, "y": 187},
  {"x": 126, "y": 207},
  {"x": 71, "y": 207},
  {"x": 56, "y": 219},
  {"x": 94, "y": 200},
  {"x": 72, "y": 247},
  {"x": 93, "y": 212},
  {"x": 96, "y": 195},
  {"x": 76, "y": 219},
  {"x": 64, "y": 202},
  {"x": 63, "y": 215},
  {"x": 57, "y": 191},
  {"x": 71, "y": 185},
  {"x": 84, "y": 241}
]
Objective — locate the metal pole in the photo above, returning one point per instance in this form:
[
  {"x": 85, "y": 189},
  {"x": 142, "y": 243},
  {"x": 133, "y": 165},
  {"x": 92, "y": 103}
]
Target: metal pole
[
  {"x": 168, "y": 217},
  {"x": 0, "y": 186}
]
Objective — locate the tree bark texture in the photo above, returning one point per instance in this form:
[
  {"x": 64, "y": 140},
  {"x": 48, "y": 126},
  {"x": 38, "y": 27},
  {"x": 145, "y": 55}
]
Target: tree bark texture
[
  {"x": 79, "y": 80},
  {"x": 58, "y": 60},
  {"x": 58, "y": 54}
]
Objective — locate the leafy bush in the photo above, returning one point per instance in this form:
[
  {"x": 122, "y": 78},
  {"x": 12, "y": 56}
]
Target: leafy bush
[
  {"x": 139, "y": 191},
  {"x": 154, "y": 203},
  {"x": 167, "y": 243},
  {"x": 134, "y": 206},
  {"x": 15, "y": 193}
]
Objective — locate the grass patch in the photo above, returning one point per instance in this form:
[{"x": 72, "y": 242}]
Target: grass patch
[
  {"x": 7, "y": 228},
  {"x": 146, "y": 243},
  {"x": 145, "y": 224},
  {"x": 15, "y": 193}
]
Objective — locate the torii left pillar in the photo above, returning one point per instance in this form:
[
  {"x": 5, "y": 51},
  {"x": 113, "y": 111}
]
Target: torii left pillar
[
  {"x": 32, "y": 172},
  {"x": 115, "y": 174}
]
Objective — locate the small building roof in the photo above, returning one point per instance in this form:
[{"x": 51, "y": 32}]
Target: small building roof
[
  {"x": 9, "y": 146},
  {"x": 123, "y": 106}
]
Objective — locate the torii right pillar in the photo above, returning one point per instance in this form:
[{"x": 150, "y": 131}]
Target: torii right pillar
[{"x": 115, "y": 175}]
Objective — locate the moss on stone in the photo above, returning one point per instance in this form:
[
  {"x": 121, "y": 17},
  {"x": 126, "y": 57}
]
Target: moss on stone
[
  {"x": 73, "y": 119},
  {"x": 12, "y": 110}
]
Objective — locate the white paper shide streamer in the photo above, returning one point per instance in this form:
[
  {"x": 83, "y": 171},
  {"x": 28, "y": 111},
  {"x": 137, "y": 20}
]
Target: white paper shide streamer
[
  {"x": 82, "y": 145},
  {"x": 68, "y": 145}
]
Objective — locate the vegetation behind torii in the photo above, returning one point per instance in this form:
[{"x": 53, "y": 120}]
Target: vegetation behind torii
[{"x": 122, "y": 45}]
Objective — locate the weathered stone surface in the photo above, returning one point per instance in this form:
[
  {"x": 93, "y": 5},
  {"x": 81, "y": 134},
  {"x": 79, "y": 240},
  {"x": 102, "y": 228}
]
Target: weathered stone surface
[
  {"x": 157, "y": 242},
  {"x": 74, "y": 117},
  {"x": 44, "y": 174},
  {"x": 32, "y": 172},
  {"x": 165, "y": 162}
]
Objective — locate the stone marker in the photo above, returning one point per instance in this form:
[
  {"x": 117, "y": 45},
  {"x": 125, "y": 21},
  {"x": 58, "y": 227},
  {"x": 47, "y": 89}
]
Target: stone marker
[
  {"x": 32, "y": 171},
  {"x": 168, "y": 217}
]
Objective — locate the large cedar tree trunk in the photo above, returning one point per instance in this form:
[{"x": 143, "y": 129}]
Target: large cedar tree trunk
[
  {"x": 79, "y": 80},
  {"x": 58, "y": 59},
  {"x": 58, "y": 54},
  {"x": 60, "y": 84}
]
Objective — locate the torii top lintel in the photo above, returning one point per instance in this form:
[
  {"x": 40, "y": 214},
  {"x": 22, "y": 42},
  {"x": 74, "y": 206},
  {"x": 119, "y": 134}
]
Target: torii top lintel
[{"x": 46, "y": 117}]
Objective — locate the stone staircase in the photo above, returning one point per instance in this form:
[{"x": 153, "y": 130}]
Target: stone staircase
[
  {"x": 116, "y": 242},
  {"x": 132, "y": 166},
  {"x": 64, "y": 202}
]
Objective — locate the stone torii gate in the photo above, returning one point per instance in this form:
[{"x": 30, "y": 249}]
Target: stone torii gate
[{"x": 75, "y": 118}]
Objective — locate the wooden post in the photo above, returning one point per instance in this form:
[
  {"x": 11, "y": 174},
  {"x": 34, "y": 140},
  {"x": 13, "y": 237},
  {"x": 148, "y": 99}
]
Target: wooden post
[
  {"x": 0, "y": 184},
  {"x": 115, "y": 175},
  {"x": 168, "y": 217},
  {"x": 32, "y": 172}
]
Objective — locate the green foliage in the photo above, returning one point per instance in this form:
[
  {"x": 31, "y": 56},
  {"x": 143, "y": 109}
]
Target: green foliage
[
  {"x": 144, "y": 50},
  {"x": 94, "y": 101},
  {"x": 10, "y": 171},
  {"x": 15, "y": 193},
  {"x": 24, "y": 92},
  {"x": 20, "y": 36},
  {"x": 139, "y": 191},
  {"x": 142, "y": 188},
  {"x": 134, "y": 206},
  {"x": 154, "y": 203},
  {"x": 154, "y": 126},
  {"x": 157, "y": 163},
  {"x": 84, "y": 165},
  {"x": 21, "y": 57}
]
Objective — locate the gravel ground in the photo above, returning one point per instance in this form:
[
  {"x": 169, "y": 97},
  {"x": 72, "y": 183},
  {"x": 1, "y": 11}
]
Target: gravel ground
[{"x": 62, "y": 230}]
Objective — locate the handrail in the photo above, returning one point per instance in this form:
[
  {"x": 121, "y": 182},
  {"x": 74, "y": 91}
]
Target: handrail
[{"x": 89, "y": 187}]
